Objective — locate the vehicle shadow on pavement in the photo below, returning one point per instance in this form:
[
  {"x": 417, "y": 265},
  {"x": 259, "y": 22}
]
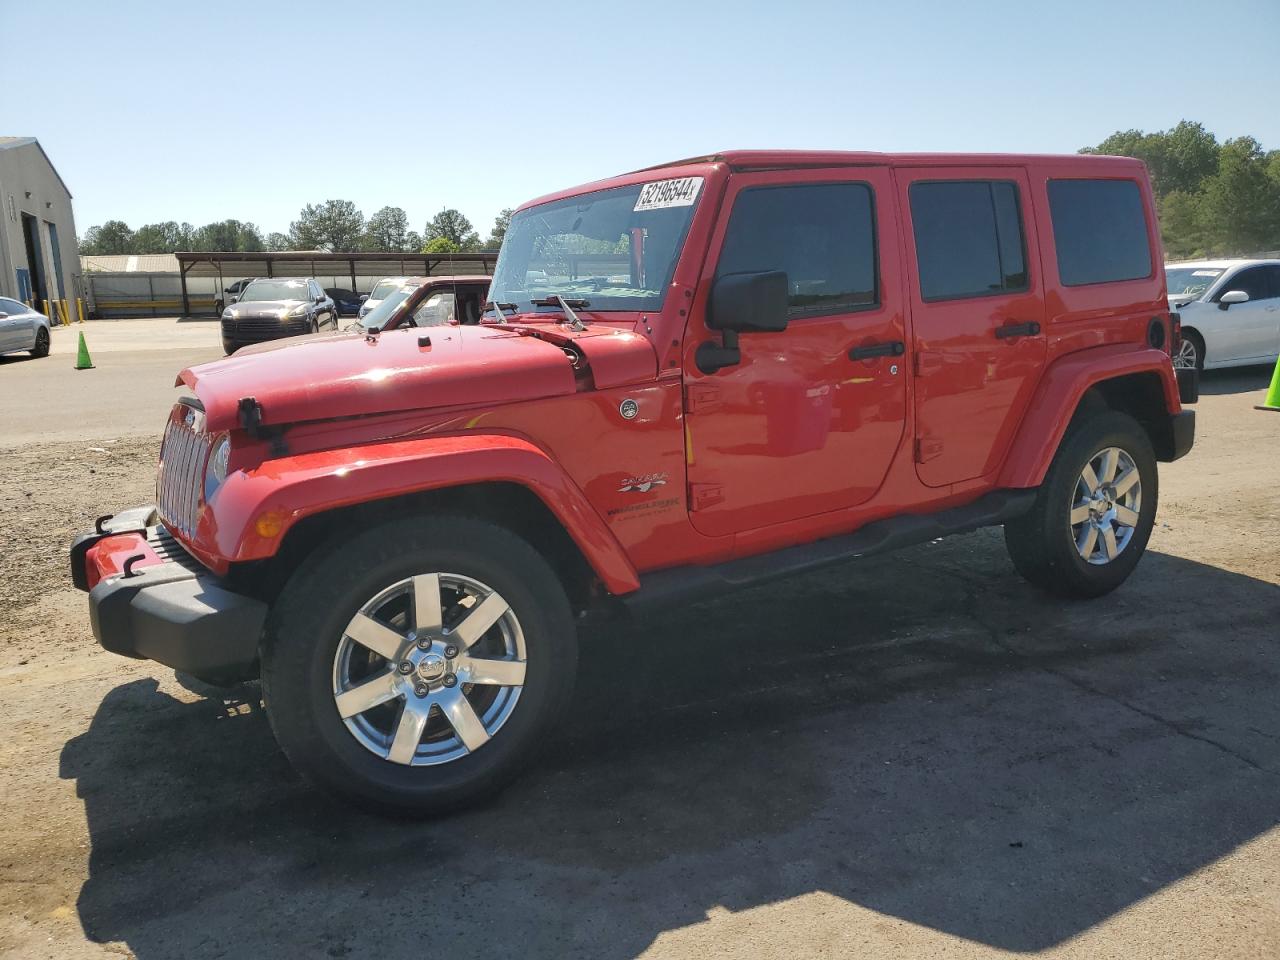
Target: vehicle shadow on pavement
[
  {"x": 1235, "y": 380},
  {"x": 924, "y": 736}
]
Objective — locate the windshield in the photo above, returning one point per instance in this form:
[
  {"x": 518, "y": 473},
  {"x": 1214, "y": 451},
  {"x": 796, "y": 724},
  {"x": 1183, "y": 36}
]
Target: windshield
[
  {"x": 379, "y": 315},
  {"x": 384, "y": 289},
  {"x": 1190, "y": 281},
  {"x": 275, "y": 290},
  {"x": 615, "y": 249}
]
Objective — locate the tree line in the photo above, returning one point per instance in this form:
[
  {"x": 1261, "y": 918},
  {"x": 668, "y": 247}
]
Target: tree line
[
  {"x": 337, "y": 226},
  {"x": 1214, "y": 199}
]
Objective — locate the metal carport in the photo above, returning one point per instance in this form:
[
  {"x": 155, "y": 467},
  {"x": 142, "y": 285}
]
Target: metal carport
[{"x": 288, "y": 263}]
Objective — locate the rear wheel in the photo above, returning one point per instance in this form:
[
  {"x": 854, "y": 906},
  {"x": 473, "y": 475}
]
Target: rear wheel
[
  {"x": 41, "y": 348},
  {"x": 1094, "y": 512},
  {"x": 418, "y": 666}
]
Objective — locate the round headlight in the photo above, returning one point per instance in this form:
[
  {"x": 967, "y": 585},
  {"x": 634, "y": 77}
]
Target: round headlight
[
  {"x": 299, "y": 311},
  {"x": 215, "y": 470},
  {"x": 228, "y": 314}
]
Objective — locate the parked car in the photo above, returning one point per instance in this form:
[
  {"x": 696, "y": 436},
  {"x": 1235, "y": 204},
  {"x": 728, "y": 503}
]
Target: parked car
[
  {"x": 381, "y": 290},
  {"x": 268, "y": 309},
  {"x": 1230, "y": 312},
  {"x": 430, "y": 302},
  {"x": 231, "y": 294},
  {"x": 347, "y": 301},
  {"x": 786, "y": 360},
  {"x": 22, "y": 328}
]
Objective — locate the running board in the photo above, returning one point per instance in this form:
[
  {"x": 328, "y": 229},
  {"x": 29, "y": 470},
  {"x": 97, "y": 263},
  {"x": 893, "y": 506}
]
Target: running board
[{"x": 680, "y": 585}]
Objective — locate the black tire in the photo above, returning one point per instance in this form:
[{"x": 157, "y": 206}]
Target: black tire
[
  {"x": 315, "y": 324},
  {"x": 230, "y": 346},
  {"x": 307, "y": 623},
  {"x": 1041, "y": 543},
  {"x": 1196, "y": 343},
  {"x": 41, "y": 349}
]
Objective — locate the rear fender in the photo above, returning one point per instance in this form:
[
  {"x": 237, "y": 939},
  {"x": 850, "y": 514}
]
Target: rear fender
[
  {"x": 1059, "y": 394},
  {"x": 254, "y": 510}
]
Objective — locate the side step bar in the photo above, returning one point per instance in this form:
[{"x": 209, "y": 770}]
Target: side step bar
[{"x": 680, "y": 585}]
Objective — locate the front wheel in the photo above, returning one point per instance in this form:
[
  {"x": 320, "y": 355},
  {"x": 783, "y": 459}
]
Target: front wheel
[
  {"x": 1094, "y": 512},
  {"x": 41, "y": 348},
  {"x": 418, "y": 665}
]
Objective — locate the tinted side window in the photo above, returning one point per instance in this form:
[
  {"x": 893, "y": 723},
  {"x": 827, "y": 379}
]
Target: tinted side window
[
  {"x": 1100, "y": 231},
  {"x": 11, "y": 306},
  {"x": 969, "y": 238},
  {"x": 822, "y": 235},
  {"x": 1252, "y": 280}
]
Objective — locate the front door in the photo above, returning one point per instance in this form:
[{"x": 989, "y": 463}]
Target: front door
[
  {"x": 809, "y": 419},
  {"x": 1249, "y": 329},
  {"x": 977, "y": 312}
]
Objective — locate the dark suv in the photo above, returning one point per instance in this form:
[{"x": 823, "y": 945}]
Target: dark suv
[{"x": 268, "y": 309}]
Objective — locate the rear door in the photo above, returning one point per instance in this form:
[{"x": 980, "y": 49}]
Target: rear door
[
  {"x": 809, "y": 419},
  {"x": 13, "y": 325},
  {"x": 978, "y": 312}
]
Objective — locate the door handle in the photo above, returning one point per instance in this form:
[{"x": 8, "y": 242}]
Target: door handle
[
  {"x": 1011, "y": 330},
  {"x": 889, "y": 348}
]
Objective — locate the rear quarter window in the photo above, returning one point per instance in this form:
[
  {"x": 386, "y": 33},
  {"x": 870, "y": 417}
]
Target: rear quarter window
[{"x": 1099, "y": 230}]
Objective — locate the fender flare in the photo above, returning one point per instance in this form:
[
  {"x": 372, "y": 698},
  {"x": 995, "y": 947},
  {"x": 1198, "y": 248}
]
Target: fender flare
[
  {"x": 1058, "y": 395},
  {"x": 255, "y": 509}
]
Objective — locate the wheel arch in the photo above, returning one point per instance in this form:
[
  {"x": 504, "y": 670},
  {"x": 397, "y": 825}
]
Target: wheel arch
[
  {"x": 264, "y": 518},
  {"x": 1140, "y": 382}
]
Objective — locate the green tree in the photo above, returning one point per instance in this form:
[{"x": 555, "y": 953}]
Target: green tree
[
  {"x": 277, "y": 241},
  {"x": 228, "y": 235},
  {"x": 441, "y": 245},
  {"x": 1241, "y": 202},
  {"x": 388, "y": 231},
  {"x": 165, "y": 237},
  {"x": 335, "y": 225},
  {"x": 499, "y": 232},
  {"x": 451, "y": 225},
  {"x": 112, "y": 237}
]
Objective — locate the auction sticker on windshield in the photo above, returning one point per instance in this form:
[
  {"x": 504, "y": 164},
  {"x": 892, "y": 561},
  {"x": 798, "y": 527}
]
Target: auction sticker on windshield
[{"x": 668, "y": 193}]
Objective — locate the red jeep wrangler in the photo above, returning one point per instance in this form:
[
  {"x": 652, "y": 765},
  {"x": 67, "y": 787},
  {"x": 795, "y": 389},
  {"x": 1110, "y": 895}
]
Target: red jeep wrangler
[{"x": 688, "y": 379}]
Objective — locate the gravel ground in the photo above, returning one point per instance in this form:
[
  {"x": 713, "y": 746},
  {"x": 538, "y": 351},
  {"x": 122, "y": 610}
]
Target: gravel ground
[{"x": 913, "y": 756}]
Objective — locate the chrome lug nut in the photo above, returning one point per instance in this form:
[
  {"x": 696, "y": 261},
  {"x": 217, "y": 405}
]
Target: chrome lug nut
[
  {"x": 422, "y": 690},
  {"x": 424, "y": 643},
  {"x": 451, "y": 651},
  {"x": 450, "y": 680},
  {"x": 405, "y": 667}
]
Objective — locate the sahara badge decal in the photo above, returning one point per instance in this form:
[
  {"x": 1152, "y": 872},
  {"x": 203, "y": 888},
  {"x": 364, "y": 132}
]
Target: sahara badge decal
[
  {"x": 629, "y": 409},
  {"x": 643, "y": 484}
]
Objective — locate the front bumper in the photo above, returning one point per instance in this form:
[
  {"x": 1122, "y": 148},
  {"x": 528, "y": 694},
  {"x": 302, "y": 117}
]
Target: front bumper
[{"x": 150, "y": 600}]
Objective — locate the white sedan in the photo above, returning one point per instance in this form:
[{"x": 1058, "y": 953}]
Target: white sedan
[
  {"x": 22, "y": 328},
  {"x": 1230, "y": 312}
]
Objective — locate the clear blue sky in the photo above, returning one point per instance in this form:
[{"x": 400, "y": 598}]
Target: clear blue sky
[{"x": 201, "y": 111}]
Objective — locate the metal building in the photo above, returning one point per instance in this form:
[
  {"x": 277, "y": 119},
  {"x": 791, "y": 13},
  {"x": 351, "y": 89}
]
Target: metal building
[{"x": 39, "y": 256}]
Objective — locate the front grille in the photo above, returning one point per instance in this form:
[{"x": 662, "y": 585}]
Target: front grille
[
  {"x": 256, "y": 331},
  {"x": 180, "y": 478}
]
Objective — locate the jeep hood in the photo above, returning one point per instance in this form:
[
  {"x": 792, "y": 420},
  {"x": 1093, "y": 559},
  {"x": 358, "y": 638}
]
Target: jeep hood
[{"x": 324, "y": 376}]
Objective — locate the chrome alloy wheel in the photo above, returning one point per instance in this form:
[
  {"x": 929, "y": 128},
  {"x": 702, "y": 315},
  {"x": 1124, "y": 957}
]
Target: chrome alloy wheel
[
  {"x": 429, "y": 669},
  {"x": 1185, "y": 358},
  {"x": 1105, "y": 505}
]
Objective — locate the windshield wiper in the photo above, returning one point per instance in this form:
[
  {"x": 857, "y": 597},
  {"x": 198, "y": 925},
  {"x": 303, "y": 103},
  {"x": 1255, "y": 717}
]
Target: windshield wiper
[
  {"x": 497, "y": 307},
  {"x": 555, "y": 300}
]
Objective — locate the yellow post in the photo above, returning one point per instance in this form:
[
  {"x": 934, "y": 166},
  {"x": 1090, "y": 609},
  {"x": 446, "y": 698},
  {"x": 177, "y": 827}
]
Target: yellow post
[
  {"x": 61, "y": 307},
  {"x": 46, "y": 309},
  {"x": 80, "y": 308}
]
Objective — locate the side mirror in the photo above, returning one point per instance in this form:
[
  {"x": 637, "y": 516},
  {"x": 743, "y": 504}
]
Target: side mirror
[
  {"x": 1230, "y": 297},
  {"x": 234, "y": 299},
  {"x": 320, "y": 299},
  {"x": 3, "y": 315},
  {"x": 364, "y": 297},
  {"x": 742, "y": 303}
]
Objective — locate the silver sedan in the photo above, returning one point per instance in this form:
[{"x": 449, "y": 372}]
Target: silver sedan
[{"x": 22, "y": 328}]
